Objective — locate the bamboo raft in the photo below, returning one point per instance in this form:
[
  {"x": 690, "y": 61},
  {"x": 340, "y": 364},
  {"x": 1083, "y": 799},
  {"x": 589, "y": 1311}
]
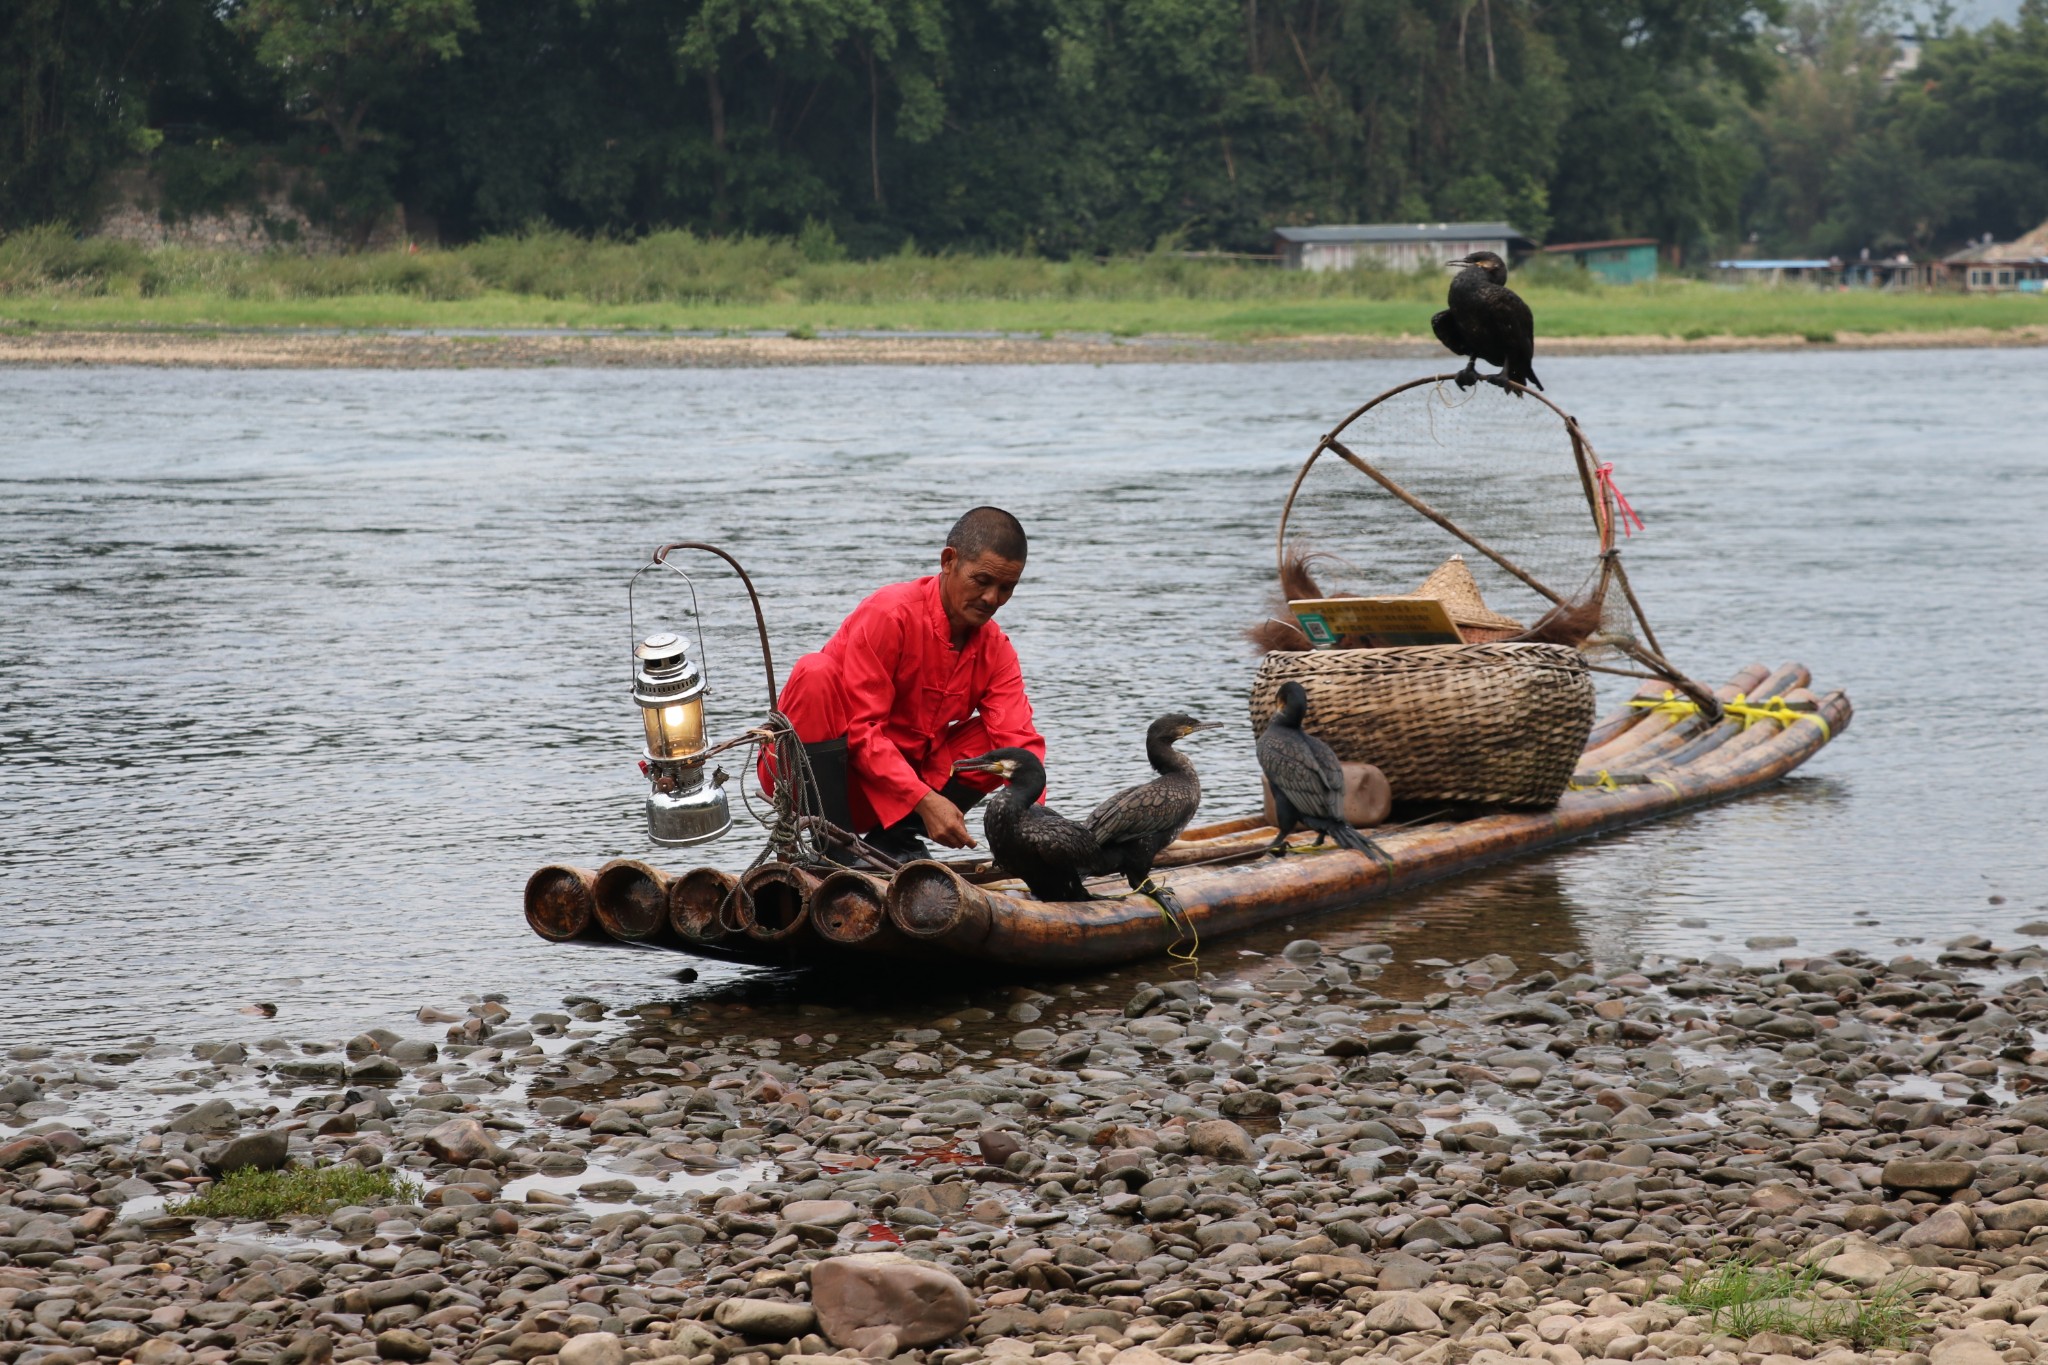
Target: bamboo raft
[{"x": 1650, "y": 759}]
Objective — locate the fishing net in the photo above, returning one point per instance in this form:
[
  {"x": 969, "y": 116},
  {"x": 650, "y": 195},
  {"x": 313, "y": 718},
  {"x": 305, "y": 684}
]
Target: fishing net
[{"x": 1492, "y": 494}]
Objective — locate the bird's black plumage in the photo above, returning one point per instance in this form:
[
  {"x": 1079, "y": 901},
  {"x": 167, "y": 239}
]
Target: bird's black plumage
[
  {"x": 1136, "y": 823},
  {"x": 1488, "y": 321},
  {"x": 1307, "y": 779},
  {"x": 1047, "y": 850}
]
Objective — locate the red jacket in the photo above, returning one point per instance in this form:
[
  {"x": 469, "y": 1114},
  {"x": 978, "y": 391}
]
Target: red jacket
[{"x": 912, "y": 704}]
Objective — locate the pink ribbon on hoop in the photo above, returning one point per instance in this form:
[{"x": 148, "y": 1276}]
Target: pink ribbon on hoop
[{"x": 1605, "y": 473}]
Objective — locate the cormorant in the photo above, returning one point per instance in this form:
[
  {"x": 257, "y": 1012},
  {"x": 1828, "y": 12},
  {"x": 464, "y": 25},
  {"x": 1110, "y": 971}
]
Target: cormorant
[
  {"x": 1488, "y": 321},
  {"x": 1307, "y": 779},
  {"x": 1135, "y": 824},
  {"x": 1047, "y": 850}
]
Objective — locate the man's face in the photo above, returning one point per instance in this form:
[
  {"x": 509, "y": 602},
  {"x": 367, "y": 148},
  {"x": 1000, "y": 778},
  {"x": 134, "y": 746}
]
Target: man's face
[{"x": 973, "y": 590}]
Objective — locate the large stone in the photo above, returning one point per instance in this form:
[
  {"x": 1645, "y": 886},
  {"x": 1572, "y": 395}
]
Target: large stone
[
  {"x": 766, "y": 1319},
  {"x": 1227, "y": 1232},
  {"x": 207, "y": 1116},
  {"x": 885, "y": 1304},
  {"x": 265, "y": 1151},
  {"x": 1222, "y": 1140},
  {"x": 823, "y": 1213},
  {"x": 459, "y": 1142},
  {"x": 997, "y": 1146},
  {"x": 1862, "y": 1266},
  {"x": 2022, "y": 1215},
  {"x": 593, "y": 1348},
  {"x": 25, "y": 1151},
  {"x": 1965, "y": 1349},
  {"x": 1403, "y": 1312},
  {"x": 1936, "y": 1177},
  {"x": 1952, "y": 1226},
  {"x": 403, "y": 1344}
]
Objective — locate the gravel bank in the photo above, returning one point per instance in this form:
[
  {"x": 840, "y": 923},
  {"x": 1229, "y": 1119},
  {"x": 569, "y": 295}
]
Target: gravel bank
[
  {"x": 398, "y": 350},
  {"x": 1523, "y": 1165}
]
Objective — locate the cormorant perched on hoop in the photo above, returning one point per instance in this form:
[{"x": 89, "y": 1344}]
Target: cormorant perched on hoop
[
  {"x": 1136, "y": 823},
  {"x": 1488, "y": 321},
  {"x": 1307, "y": 779},
  {"x": 1047, "y": 850}
]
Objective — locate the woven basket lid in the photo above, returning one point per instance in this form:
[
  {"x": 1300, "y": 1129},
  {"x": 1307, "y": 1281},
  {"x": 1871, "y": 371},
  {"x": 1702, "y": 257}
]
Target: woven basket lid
[{"x": 1452, "y": 584}]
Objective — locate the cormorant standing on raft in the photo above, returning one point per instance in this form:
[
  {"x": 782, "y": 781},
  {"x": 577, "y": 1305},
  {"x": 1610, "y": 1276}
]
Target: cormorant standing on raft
[
  {"x": 1488, "y": 321},
  {"x": 1135, "y": 824},
  {"x": 1307, "y": 779},
  {"x": 1047, "y": 850}
]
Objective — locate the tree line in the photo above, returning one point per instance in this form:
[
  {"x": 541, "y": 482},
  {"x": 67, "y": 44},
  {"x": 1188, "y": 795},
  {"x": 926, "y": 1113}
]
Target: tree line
[{"x": 1057, "y": 126}]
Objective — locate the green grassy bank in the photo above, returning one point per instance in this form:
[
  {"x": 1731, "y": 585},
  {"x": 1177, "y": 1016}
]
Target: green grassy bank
[{"x": 676, "y": 281}]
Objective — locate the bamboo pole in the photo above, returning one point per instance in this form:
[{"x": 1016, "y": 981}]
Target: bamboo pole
[
  {"x": 848, "y": 907},
  {"x": 632, "y": 900},
  {"x": 560, "y": 906},
  {"x": 775, "y": 904},
  {"x": 697, "y": 902},
  {"x": 928, "y": 902}
]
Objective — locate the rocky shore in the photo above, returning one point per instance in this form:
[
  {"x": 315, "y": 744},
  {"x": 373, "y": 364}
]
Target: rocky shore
[{"x": 1538, "y": 1161}]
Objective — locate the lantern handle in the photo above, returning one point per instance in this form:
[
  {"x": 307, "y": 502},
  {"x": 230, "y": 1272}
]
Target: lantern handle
[
  {"x": 696, "y": 613},
  {"x": 760, "y": 619}
]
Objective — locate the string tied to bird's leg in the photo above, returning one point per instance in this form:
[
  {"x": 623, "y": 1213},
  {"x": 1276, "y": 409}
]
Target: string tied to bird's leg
[
  {"x": 1605, "y": 475},
  {"x": 1176, "y": 915}
]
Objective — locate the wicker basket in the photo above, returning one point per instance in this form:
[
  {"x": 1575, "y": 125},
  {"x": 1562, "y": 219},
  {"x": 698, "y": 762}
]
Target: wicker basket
[{"x": 1494, "y": 724}]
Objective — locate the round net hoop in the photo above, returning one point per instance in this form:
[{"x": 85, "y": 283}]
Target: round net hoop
[{"x": 1495, "y": 494}]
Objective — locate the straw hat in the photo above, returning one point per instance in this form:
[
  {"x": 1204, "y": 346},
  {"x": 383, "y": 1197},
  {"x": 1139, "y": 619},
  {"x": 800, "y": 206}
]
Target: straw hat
[{"x": 1452, "y": 585}]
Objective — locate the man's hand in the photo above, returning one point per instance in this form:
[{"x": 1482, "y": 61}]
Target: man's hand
[{"x": 943, "y": 822}]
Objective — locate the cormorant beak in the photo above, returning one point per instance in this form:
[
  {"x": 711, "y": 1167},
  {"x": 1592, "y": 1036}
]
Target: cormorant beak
[
  {"x": 997, "y": 766},
  {"x": 1201, "y": 725},
  {"x": 1460, "y": 263}
]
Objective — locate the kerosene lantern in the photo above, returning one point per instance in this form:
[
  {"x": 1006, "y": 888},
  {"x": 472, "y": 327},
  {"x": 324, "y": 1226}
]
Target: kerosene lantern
[{"x": 684, "y": 805}]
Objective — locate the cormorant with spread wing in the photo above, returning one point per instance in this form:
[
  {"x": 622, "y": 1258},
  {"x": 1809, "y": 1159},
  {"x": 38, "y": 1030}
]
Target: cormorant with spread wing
[
  {"x": 1136, "y": 823},
  {"x": 1307, "y": 779},
  {"x": 1047, "y": 850},
  {"x": 1488, "y": 321}
]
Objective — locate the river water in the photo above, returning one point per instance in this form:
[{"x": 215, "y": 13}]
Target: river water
[{"x": 301, "y": 674}]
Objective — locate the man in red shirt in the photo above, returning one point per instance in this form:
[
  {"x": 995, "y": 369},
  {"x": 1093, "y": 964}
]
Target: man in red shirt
[{"x": 917, "y": 676}]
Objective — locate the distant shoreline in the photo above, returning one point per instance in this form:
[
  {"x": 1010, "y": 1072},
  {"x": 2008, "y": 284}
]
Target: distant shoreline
[{"x": 281, "y": 349}]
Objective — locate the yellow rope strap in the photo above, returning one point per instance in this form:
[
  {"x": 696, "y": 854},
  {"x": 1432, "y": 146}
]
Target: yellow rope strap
[{"x": 1742, "y": 709}]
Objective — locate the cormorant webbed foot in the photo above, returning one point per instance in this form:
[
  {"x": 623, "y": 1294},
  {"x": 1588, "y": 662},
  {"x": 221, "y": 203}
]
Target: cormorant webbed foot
[{"x": 1468, "y": 376}]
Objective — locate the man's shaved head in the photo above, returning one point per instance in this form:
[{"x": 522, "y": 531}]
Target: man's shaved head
[{"x": 988, "y": 530}]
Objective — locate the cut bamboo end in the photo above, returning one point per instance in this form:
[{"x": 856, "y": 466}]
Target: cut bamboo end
[
  {"x": 928, "y": 900},
  {"x": 697, "y": 905},
  {"x": 632, "y": 900},
  {"x": 775, "y": 902},
  {"x": 561, "y": 903},
  {"x": 849, "y": 907}
]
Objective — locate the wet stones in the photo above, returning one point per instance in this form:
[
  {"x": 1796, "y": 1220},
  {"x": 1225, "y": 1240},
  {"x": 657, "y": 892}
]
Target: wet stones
[
  {"x": 265, "y": 1151},
  {"x": 459, "y": 1142},
  {"x": 207, "y": 1116}
]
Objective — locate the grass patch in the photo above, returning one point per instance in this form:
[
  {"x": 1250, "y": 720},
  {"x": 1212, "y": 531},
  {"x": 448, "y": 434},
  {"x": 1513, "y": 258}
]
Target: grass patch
[
  {"x": 679, "y": 281},
  {"x": 250, "y": 1195},
  {"x": 1744, "y": 1299}
]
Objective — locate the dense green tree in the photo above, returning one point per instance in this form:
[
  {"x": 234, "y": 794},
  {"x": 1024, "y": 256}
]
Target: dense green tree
[
  {"x": 1063, "y": 126},
  {"x": 75, "y": 79}
]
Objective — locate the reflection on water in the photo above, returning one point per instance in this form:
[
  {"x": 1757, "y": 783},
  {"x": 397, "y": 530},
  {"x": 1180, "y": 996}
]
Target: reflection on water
[{"x": 301, "y": 674}]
